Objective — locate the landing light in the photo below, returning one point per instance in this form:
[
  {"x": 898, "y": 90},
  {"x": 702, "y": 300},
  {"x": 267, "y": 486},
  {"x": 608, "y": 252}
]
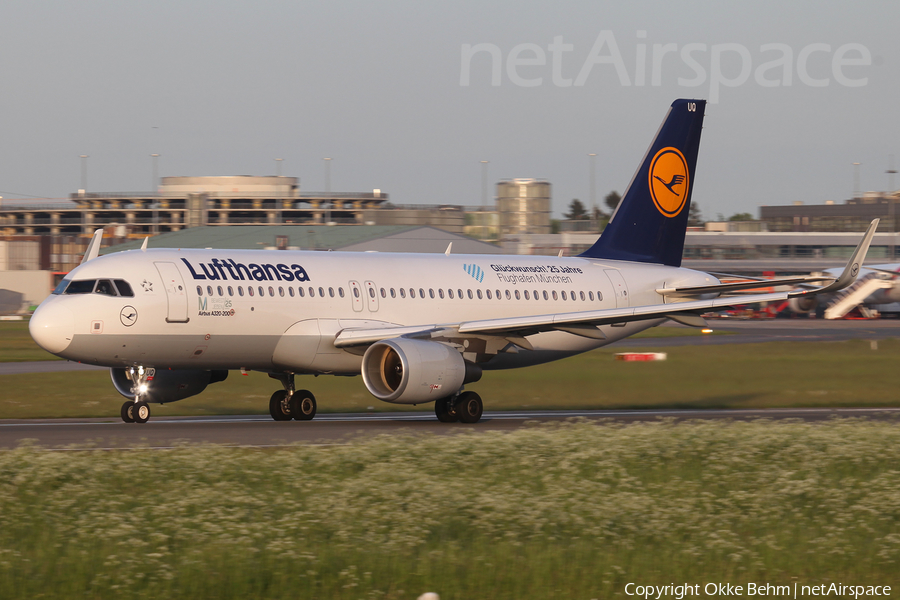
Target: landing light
[
  {"x": 706, "y": 330},
  {"x": 143, "y": 388}
]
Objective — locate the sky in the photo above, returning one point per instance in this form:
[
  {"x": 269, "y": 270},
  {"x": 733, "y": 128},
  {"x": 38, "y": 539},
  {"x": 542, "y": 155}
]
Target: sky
[{"x": 410, "y": 97}]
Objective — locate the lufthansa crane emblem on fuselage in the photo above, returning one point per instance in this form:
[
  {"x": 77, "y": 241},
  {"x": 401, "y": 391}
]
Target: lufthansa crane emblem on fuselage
[{"x": 128, "y": 315}]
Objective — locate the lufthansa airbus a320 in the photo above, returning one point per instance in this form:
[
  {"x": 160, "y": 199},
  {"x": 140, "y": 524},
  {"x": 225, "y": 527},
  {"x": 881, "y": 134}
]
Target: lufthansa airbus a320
[{"x": 417, "y": 327}]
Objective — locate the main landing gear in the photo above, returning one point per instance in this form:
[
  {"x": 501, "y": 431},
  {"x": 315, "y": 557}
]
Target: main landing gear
[
  {"x": 137, "y": 410},
  {"x": 466, "y": 407},
  {"x": 288, "y": 404}
]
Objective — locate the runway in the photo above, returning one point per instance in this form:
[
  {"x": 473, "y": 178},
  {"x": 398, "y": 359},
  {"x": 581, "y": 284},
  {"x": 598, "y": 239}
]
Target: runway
[{"x": 260, "y": 431}]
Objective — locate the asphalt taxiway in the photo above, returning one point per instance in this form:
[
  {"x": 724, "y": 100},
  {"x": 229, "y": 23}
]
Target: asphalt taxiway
[{"x": 261, "y": 431}]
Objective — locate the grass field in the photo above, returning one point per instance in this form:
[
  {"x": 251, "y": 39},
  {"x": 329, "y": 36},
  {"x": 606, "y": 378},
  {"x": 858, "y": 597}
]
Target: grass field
[
  {"x": 554, "y": 511},
  {"x": 783, "y": 374},
  {"x": 16, "y": 344}
]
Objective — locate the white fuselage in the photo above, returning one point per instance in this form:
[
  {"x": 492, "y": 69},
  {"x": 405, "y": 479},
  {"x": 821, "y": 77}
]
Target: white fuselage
[{"x": 281, "y": 310}]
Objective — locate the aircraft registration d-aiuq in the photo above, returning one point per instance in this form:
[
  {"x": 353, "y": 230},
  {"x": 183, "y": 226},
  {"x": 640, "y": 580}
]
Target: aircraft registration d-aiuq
[{"x": 417, "y": 327}]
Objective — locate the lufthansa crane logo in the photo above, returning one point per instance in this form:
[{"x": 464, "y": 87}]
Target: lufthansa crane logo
[
  {"x": 128, "y": 315},
  {"x": 669, "y": 181}
]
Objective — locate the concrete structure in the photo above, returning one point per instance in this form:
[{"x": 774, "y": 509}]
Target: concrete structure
[
  {"x": 735, "y": 252},
  {"x": 853, "y": 215},
  {"x": 33, "y": 285},
  {"x": 375, "y": 238},
  {"x": 523, "y": 206},
  {"x": 187, "y": 202}
]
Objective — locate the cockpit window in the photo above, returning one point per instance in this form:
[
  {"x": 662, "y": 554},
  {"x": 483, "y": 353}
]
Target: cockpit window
[
  {"x": 61, "y": 286},
  {"x": 123, "y": 287},
  {"x": 105, "y": 287},
  {"x": 81, "y": 287}
]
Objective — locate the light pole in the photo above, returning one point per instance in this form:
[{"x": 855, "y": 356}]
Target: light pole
[
  {"x": 84, "y": 158},
  {"x": 856, "y": 180},
  {"x": 328, "y": 189},
  {"x": 278, "y": 166},
  {"x": 155, "y": 188},
  {"x": 484, "y": 184},
  {"x": 890, "y": 198},
  {"x": 592, "y": 163}
]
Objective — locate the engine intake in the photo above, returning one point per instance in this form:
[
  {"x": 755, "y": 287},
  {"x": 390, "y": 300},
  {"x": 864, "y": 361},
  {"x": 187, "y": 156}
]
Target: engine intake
[
  {"x": 803, "y": 304},
  {"x": 406, "y": 371},
  {"x": 168, "y": 386}
]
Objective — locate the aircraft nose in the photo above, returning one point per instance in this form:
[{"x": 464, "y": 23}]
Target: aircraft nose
[{"x": 52, "y": 327}]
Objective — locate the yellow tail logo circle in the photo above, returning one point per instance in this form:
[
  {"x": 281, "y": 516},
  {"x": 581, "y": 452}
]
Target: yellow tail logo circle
[{"x": 669, "y": 181}]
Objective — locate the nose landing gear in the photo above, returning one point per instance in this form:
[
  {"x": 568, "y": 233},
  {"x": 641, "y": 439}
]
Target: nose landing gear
[{"x": 137, "y": 410}]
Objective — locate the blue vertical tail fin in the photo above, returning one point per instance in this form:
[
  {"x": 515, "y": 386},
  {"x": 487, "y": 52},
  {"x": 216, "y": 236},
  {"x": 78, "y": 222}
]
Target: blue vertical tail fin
[{"x": 651, "y": 219}]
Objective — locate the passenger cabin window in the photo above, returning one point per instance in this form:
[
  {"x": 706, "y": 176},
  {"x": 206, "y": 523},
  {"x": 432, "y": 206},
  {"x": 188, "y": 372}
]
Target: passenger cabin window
[
  {"x": 341, "y": 292},
  {"x": 402, "y": 293}
]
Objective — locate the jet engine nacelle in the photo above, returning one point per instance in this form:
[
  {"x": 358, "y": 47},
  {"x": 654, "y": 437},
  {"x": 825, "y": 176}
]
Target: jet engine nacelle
[
  {"x": 406, "y": 371},
  {"x": 803, "y": 304},
  {"x": 167, "y": 386}
]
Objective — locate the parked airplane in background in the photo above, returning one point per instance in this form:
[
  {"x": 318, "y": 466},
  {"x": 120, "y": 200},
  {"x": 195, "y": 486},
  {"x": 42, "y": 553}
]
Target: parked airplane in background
[
  {"x": 418, "y": 327},
  {"x": 877, "y": 288}
]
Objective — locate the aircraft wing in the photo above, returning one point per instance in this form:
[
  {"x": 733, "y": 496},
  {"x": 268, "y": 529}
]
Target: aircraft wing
[
  {"x": 585, "y": 322},
  {"x": 743, "y": 285},
  {"x": 582, "y": 323}
]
